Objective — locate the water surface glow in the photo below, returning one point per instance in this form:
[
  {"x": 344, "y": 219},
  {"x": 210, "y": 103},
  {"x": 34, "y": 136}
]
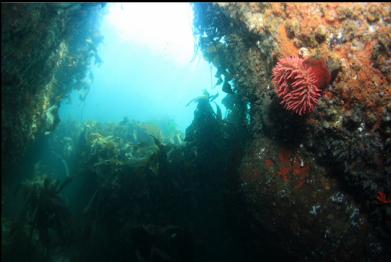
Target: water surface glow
[{"x": 149, "y": 68}]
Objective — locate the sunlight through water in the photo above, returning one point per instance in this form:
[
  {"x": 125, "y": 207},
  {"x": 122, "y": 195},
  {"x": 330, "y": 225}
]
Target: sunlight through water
[
  {"x": 165, "y": 28},
  {"x": 149, "y": 69}
]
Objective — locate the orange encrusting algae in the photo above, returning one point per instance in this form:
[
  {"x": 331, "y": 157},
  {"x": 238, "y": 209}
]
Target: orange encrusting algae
[
  {"x": 358, "y": 80},
  {"x": 286, "y": 47},
  {"x": 291, "y": 168},
  {"x": 284, "y": 172},
  {"x": 284, "y": 155},
  {"x": 381, "y": 198},
  {"x": 363, "y": 83},
  {"x": 268, "y": 163}
]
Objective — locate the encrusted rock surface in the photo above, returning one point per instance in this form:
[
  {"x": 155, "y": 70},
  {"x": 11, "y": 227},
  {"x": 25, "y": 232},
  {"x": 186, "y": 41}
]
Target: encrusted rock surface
[
  {"x": 46, "y": 50},
  {"x": 315, "y": 178}
]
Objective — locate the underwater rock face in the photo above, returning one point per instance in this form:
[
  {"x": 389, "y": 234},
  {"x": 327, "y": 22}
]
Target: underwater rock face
[
  {"x": 46, "y": 51},
  {"x": 319, "y": 184},
  {"x": 342, "y": 148},
  {"x": 306, "y": 211}
]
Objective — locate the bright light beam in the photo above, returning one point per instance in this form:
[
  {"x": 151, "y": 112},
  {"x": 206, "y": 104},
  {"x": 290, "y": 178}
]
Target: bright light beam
[{"x": 164, "y": 28}]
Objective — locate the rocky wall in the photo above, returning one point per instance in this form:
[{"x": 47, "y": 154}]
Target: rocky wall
[
  {"x": 46, "y": 50},
  {"x": 321, "y": 181}
]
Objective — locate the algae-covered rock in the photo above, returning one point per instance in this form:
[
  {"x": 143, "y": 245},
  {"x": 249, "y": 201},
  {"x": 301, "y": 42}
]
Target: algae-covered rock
[
  {"x": 44, "y": 56},
  {"x": 340, "y": 148}
]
